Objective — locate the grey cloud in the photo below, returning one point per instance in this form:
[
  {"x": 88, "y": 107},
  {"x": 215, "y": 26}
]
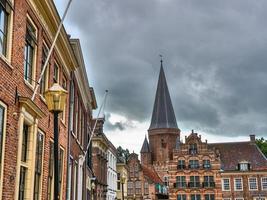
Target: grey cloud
[{"x": 214, "y": 58}]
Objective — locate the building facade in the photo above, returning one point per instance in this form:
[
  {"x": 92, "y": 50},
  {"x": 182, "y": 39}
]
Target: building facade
[
  {"x": 198, "y": 170},
  {"x": 112, "y": 172},
  {"x": 122, "y": 178},
  {"x": 100, "y": 146},
  {"x": 143, "y": 182},
  {"x": 26, "y": 126},
  {"x": 82, "y": 104}
]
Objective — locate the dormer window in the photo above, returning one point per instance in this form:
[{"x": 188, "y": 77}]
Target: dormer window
[
  {"x": 244, "y": 166},
  {"x": 193, "y": 149}
]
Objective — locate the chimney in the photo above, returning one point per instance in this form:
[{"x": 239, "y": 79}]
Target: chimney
[{"x": 252, "y": 138}]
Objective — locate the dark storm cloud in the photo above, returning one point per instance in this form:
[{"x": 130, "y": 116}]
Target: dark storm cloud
[{"x": 215, "y": 59}]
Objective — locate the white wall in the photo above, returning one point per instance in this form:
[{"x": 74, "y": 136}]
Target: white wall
[{"x": 111, "y": 176}]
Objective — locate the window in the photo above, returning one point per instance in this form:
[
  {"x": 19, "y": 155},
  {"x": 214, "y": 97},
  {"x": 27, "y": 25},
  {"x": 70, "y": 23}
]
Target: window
[
  {"x": 206, "y": 164},
  {"x": 264, "y": 183},
  {"x": 38, "y": 165},
  {"x": 138, "y": 187},
  {"x": 24, "y": 166},
  {"x": 252, "y": 182},
  {"x": 166, "y": 180},
  {"x": 2, "y": 137},
  {"x": 56, "y": 73},
  {"x": 244, "y": 166},
  {"x": 193, "y": 164},
  {"x": 130, "y": 187},
  {"x": 193, "y": 149},
  {"x": 4, "y": 18},
  {"x": 62, "y": 115},
  {"x": 226, "y": 198},
  {"x": 146, "y": 188},
  {"x": 75, "y": 171},
  {"x": 195, "y": 197},
  {"x": 136, "y": 169},
  {"x": 29, "y": 53},
  {"x": 181, "y": 197},
  {"x": 181, "y": 164},
  {"x": 226, "y": 184},
  {"x": 209, "y": 197},
  {"x": 239, "y": 198},
  {"x": 194, "y": 181},
  {"x": 118, "y": 185},
  {"x": 44, "y": 80},
  {"x": 238, "y": 184},
  {"x": 132, "y": 171},
  {"x": 180, "y": 182},
  {"x": 51, "y": 171},
  {"x": 60, "y": 168},
  {"x": 209, "y": 181}
]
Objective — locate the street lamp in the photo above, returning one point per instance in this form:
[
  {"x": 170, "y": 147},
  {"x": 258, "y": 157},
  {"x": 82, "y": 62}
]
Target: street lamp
[
  {"x": 123, "y": 178},
  {"x": 56, "y": 98}
]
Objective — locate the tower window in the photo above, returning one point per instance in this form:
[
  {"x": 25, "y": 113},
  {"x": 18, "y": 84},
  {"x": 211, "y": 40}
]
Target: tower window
[{"x": 193, "y": 149}]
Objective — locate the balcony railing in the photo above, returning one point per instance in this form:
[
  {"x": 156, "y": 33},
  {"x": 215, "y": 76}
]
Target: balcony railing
[
  {"x": 206, "y": 166},
  {"x": 208, "y": 184},
  {"x": 194, "y": 166},
  {"x": 194, "y": 184}
]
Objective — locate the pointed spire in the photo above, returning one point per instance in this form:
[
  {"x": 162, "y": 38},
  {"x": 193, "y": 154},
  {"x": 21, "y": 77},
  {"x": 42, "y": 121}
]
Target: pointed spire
[
  {"x": 145, "y": 147},
  {"x": 163, "y": 114}
]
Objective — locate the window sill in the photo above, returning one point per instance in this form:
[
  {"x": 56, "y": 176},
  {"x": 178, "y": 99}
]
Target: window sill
[
  {"x": 42, "y": 99},
  {"x": 6, "y": 61},
  {"x": 29, "y": 85}
]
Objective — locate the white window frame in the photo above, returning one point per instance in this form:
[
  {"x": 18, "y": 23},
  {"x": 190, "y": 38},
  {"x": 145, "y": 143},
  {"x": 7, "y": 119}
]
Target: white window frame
[
  {"x": 3, "y": 147},
  {"x": 265, "y": 182},
  {"x": 223, "y": 188},
  {"x": 250, "y": 183},
  {"x": 241, "y": 184},
  {"x": 34, "y": 62}
]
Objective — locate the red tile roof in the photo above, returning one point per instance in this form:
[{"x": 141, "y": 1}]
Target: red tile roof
[
  {"x": 234, "y": 152},
  {"x": 151, "y": 174}
]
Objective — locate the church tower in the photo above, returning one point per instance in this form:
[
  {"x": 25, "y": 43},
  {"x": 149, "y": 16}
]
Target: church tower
[
  {"x": 145, "y": 154},
  {"x": 163, "y": 131}
]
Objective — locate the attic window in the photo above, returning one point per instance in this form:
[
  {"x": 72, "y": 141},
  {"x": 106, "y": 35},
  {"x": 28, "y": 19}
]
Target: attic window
[
  {"x": 193, "y": 149},
  {"x": 244, "y": 166}
]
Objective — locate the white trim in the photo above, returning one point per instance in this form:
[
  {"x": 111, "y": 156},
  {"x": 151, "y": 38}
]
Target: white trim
[
  {"x": 249, "y": 183},
  {"x": 262, "y": 182},
  {"x": 241, "y": 184},
  {"x": 223, "y": 189},
  {"x": 3, "y": 147}
]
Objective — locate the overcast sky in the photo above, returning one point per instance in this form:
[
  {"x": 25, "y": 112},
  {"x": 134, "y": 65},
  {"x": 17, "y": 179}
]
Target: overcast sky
[{"x": 215, "y": 61}]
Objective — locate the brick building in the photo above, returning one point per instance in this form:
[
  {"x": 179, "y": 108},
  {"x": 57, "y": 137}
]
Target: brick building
[
  {"x": 143, "y": 182},
  {"x": 100, "y": 146},
  {"x": 82, "y": 104},
  {"x": 26, "y": 125},
  {"x": 194, "y": 170},
  {"x": 198, "y": 170}
]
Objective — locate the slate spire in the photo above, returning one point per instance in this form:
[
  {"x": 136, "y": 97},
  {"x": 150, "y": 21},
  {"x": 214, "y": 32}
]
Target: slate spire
[
  {"x": 145, "y": 147},
  {"x": 163, "y": 114}
]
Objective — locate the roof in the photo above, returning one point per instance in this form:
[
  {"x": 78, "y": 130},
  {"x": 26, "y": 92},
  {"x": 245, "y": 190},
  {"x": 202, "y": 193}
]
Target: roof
[
  {"x": 232, "y": 153},
  {"x": 145, "y": 147},
  {"x": 163, "y": 115},
  {"x": 151, "y": 174}
]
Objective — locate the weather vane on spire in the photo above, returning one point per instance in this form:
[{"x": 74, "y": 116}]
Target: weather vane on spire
[{"x": 161, "y": 56}]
